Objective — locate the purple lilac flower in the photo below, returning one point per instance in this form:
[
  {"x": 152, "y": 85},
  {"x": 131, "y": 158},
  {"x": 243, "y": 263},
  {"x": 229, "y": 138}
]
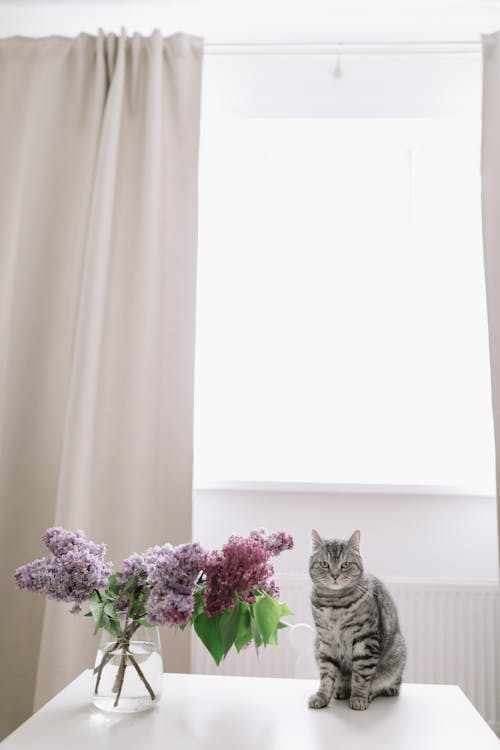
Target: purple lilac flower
[
  {"x": 72, "y": 573},
  {"x": 173, "y": 580},
  {"x": 141, "y": 567},
  {"x": 271, "y": 589},
  {"x": 274, "y": 543},
  {"x": 133, "y": 567},
  {"x": 240, "y": 566},
  {"x": 59, "y": 542},
  {"x": 169, "y": 608}
]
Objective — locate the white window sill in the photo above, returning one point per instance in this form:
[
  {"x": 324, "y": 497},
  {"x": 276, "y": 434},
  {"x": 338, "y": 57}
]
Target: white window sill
[{"x": 341, "y": 489}]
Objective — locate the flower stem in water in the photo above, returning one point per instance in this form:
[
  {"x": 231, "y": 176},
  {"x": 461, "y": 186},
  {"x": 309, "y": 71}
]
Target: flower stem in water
[
  {"x": 141, "y": 675},
  {"x": 120, "y": 676}
]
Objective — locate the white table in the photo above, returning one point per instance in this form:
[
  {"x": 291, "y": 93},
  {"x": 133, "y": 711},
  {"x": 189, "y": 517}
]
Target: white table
[{"x": 251, "y": 713}]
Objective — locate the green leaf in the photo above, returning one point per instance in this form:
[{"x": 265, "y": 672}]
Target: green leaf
[
  {"x": 242, "y": 640},
  {"x": 257, "y": 638},
  {"x": 245, "y": 617},
  {"x": 267, "y": 613},
  {"x": 272, "y": 639},
  {"x": 130, "y": 585},
  {"x": 112, "y": 626},
  {"x": 285, "y": 609},
  {"x": 208, "y": 630},
  {"x": 228, "y": 625},
  {"x": 109, "y": 609},
  {"x": 97, "y": 611},
  {"x": 244, "y": 634}
]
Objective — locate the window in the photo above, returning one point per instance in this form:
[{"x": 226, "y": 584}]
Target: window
[{"x": 342, "y": 334}]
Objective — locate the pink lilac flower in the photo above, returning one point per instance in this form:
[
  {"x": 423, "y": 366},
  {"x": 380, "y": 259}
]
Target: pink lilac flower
[
  {"x": 72, "y": 573},
  {"x": 239, "y": 567},
  {"x": 173, "y": 580}
]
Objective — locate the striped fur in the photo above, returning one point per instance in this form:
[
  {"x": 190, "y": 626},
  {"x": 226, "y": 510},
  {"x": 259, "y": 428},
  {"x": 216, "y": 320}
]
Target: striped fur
[{"x": 360, "y": 650}]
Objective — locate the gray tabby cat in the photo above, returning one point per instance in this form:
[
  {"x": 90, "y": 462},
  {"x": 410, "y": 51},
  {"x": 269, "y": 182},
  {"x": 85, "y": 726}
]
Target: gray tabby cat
[{"x": 359, "y": 647}]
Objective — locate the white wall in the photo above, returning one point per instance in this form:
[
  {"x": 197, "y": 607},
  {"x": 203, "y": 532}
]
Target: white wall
[{"x": 407, "y": 536}]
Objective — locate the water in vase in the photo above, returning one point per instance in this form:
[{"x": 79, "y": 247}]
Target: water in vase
[{"x": 129, "y": 680}]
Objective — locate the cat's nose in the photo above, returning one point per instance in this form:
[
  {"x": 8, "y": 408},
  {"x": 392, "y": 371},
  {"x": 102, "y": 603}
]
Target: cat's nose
[{"x": 335, "y": 576}]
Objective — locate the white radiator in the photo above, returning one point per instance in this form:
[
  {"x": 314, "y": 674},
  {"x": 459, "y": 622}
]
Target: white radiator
[{"x": 452, "y": 632}]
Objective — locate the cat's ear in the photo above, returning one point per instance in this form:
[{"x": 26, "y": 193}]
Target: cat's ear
[
  {"x": 316, "y": 539},
  {"x": 354, "y": 540}
]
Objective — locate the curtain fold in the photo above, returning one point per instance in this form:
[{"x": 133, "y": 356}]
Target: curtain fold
[
  {"x": 490, "y": 203},
  {"x": 98, "y": 220}
]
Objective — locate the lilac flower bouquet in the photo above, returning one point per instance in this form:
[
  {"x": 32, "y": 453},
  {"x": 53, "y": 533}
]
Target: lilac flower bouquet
[{"x": 229, "y": 596}]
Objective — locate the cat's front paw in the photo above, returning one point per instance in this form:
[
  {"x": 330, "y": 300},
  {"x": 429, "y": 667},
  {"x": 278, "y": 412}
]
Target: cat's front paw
[
  {"x": 357, "y": 703},
  {"x": 317, "y": 700}
]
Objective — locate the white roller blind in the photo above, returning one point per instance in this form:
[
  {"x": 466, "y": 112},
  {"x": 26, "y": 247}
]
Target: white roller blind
[{"x": 341, "y": 316}]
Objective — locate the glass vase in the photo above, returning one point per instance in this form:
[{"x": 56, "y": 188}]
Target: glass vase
[{"x": 128, "y": 670}]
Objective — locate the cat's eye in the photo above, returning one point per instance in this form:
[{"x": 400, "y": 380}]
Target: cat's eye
[
  {"x": 324, "y": 564},
  {"x": 345, "y": 565}
]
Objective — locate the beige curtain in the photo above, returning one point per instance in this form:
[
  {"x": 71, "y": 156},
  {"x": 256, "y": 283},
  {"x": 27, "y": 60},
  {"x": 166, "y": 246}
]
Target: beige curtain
[
  {"x": 98, "y": 216},
  {"x": 490, "y": 176}
]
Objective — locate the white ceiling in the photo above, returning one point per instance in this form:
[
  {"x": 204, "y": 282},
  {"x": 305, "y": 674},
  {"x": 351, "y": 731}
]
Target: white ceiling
[{"x": 262, "y": 21}]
